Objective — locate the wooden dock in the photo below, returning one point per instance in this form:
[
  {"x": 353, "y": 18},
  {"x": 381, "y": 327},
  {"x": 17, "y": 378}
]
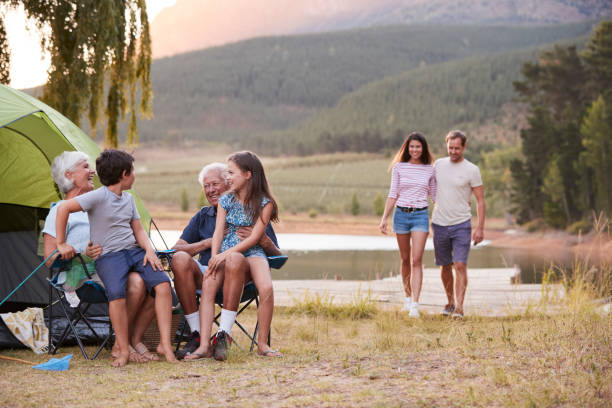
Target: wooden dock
[{"x": 490, "y": 292}]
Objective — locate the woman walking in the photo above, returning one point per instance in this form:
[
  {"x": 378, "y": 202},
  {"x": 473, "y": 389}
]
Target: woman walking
[{"x": 412, "y": 181}]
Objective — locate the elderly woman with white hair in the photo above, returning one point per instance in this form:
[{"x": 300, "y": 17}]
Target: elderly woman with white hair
[{"x": 74, "y": 176}]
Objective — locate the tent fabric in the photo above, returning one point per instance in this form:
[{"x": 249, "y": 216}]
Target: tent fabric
[{"x": 32, "y": 134}]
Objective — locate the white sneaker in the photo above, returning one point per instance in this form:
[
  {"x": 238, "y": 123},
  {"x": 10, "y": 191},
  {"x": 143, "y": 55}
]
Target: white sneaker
[
  {"x": 414, "y": 310},
  {"x": 407, "y": 304}
]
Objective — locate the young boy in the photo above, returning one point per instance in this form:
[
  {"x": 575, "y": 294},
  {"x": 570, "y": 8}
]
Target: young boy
[{"x": 115, "y": 226}]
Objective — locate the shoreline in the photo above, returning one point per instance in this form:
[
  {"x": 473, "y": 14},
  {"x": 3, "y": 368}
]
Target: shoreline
[{"x": 497, "y": 232}]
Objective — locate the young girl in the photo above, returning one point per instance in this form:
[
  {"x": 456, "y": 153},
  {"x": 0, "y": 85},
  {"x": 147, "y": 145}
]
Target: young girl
[
  {"x": 412, "y": 180},
  {"x": 248, "y": 203}
]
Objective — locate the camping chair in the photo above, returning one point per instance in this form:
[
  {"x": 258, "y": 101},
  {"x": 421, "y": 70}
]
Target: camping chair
[
  {"x": 90, "y": 293},
  {"x": 249, "y": 295}
]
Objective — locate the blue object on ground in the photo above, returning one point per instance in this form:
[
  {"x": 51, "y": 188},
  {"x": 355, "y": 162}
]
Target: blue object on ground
[{"x": 55, "y": 364}]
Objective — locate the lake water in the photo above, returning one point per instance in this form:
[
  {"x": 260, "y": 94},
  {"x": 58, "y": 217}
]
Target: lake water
[{"x": 357, "y": 257}]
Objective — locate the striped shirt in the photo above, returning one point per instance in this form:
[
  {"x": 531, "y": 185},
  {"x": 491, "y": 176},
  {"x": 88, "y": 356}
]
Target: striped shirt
[{"x": 412, "y": 183}]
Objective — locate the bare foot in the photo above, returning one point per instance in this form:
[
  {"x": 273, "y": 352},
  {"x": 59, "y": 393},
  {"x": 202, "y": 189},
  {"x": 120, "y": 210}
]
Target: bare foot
[
  {"x": 121, "y": 360},
  {"x": 199, "y": 353},
  {"x": 115, "y": 352},
  {"x": 167, "y": 352}
]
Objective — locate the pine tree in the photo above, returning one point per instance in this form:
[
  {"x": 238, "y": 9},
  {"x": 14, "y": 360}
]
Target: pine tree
[{"x": 597, "y": 132}]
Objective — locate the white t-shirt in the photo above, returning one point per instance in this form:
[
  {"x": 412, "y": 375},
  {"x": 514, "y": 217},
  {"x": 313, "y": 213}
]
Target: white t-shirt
[{"x": 455, "y": 183}]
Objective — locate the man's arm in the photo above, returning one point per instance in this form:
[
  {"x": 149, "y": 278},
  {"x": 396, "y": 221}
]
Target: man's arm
[
  {"x": 195, "y": 248},
  {"x": 481, "y": 210},
  {"x": 265, "y": 242}
]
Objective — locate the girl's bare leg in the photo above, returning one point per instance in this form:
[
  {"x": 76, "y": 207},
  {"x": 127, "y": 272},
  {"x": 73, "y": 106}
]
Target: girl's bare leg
[
  {"x": 260, "y": 272},
  {"x": 403, "y": 241}
]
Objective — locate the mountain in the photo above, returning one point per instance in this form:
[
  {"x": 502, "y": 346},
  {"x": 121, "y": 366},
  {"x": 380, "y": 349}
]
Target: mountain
[
  {"x": 232, "y": 93},
  {"x": 195, "y": 24}
]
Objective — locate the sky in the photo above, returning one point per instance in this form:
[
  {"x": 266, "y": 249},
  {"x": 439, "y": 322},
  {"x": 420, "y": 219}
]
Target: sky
[{"x": 28, "y": 64}]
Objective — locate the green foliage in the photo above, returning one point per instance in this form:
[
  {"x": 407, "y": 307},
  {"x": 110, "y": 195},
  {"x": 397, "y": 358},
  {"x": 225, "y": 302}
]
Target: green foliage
[
  {"x": 379, "y": 205},
  {"x": 184, "y": 200},
  {"x": 567, "y": 150},
  {"x": 90, "y": 41},
  {"x": 5, "y": 56},
  {"x": 274, "y": 83},
  {"x": 354, "y": 204},
  {"x": 362, "y": 306},
  {"x": 312, "y": 213},
  {"x": 597, "y": 141}
]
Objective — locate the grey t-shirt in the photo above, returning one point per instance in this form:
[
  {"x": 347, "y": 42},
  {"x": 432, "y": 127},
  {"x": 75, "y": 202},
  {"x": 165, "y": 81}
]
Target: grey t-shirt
[{"x": 109, "y": 218}]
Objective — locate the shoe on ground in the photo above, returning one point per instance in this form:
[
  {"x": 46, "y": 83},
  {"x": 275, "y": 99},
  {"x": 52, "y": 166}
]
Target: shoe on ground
[
  {"x": 220, "y": 344},
  {"x": 192, "y": 344},
  {"x": 407, "y": 304},
  {"x": 414, "y": 311},
  {"x": 457, "y": 315},
  {"x": 448, "y": 310}
]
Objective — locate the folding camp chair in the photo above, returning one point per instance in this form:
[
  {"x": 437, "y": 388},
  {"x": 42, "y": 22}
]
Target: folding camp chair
[
  {"x": 90, "y": 293},
  {"x": 249, "y": 295}
]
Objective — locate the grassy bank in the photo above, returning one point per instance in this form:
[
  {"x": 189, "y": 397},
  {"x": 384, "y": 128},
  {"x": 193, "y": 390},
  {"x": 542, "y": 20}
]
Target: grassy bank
[
  {"x": 317, "y": 184},
  {"x": 371, "y": 358}
]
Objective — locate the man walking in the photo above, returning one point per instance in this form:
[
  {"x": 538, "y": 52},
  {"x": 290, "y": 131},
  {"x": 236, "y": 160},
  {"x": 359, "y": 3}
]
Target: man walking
[{"x": 457, "y": 179}]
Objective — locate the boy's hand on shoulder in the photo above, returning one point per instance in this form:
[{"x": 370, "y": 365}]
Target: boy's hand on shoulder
[
  {"x": 151, "y": 258},
  {"x": 66, "y": 251}
]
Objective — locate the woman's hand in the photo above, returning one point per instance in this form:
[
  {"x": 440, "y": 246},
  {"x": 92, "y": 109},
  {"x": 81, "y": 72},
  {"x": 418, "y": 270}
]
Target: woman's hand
[
  {"x": 383, "y": 226},
  {"x": 93, "y": 251},
  {"x": 66, "y": 251},
  {"x": 151, "y": 258}
]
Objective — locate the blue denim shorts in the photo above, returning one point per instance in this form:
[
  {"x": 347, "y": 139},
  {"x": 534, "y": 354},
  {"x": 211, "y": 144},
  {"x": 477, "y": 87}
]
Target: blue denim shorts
[
  {"x": 452, "y": 243},
  {"x": 114, "y": 268},
  {"x": 406, "y": 222}
]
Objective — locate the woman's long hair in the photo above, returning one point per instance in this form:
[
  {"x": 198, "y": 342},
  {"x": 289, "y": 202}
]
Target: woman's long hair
[
  {"x": 257, "y": 185},
  {"x": 403, "y": 154}
]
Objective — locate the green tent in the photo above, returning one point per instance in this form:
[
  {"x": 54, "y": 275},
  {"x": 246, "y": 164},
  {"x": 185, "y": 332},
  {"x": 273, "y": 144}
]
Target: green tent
[{"x": 32, "y": 134}]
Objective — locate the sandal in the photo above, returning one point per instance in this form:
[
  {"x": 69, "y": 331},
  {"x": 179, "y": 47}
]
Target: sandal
[
  {"x": 144, "y": 352},
  {"x": 271, "y": 353},
  {"x": 136, "y": 357}
]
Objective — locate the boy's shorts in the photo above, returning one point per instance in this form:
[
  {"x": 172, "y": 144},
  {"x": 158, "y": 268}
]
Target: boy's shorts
[
  {"x": 406, "y": 222},
  {"x": 452, "y": 242},
  {"x": 114, "y": 268}
]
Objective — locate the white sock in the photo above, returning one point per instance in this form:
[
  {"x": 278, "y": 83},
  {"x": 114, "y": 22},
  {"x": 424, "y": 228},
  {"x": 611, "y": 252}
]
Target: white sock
[
  {"x": 193, "y": 320},
  {"x": 414, "y": 305},
  {"x": 228, "y": 318},
  {"x": 408, "y": 300}
]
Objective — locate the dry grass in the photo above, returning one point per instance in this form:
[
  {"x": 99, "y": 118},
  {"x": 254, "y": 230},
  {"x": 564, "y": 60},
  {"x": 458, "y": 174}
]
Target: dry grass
[{"x": 386, "y": 359}]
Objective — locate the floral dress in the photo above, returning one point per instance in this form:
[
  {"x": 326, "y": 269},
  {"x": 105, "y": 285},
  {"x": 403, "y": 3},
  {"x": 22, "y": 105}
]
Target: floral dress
[{"x": 236, "y": 217}]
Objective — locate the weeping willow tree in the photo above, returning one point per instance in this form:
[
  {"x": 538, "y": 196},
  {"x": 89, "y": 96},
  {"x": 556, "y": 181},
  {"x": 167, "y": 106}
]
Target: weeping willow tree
[{"x": 100, "y": 59}]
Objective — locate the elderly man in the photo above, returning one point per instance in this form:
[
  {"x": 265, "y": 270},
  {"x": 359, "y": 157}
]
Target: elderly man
[
  {"x": 457, "y": 180},
  {"x": 197, "y": 239}
]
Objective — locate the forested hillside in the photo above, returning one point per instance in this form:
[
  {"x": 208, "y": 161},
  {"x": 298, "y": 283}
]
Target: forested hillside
[
  {"x": 258, "y": 86},
  {"x": 432, "y": 100}
]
